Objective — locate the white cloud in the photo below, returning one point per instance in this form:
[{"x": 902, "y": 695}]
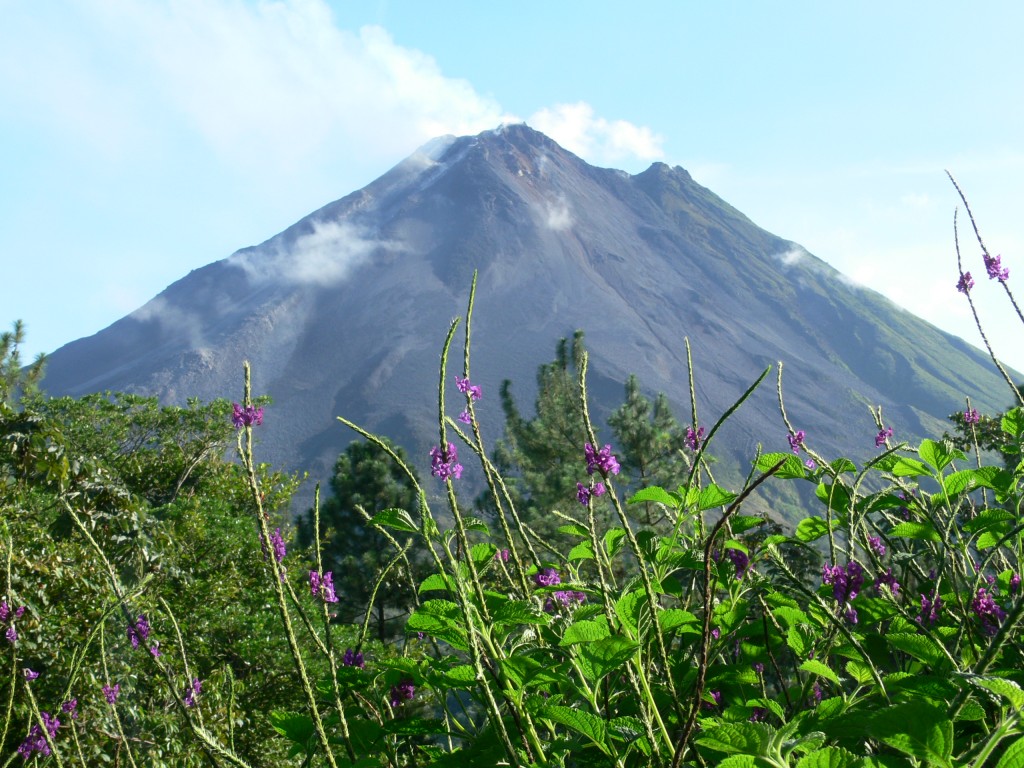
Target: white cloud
[
  {"x": 557, "y": 215},
  {"x": 174, "y": 322},
  {"x": 596, "y": 139},
  {"x": 324, "y": 256},
  {"x": 794, "y": 255}
]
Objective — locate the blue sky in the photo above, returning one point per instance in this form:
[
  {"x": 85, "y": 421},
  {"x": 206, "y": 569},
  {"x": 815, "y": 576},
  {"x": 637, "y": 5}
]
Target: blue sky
[{"x": 141, "y": 140}]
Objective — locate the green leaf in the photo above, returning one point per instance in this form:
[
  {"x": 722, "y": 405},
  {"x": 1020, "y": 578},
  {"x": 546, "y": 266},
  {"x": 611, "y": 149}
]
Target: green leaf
[
  {"x": 835, "y": 495},
  {"x": 738, "y": 761},
  {"x": 582, "y": 551},
  {"x": 1008, "y": 689},
  {"x": 743, "y": 523},
  {"x": 829, "y": 757},
  {"x": 656, "y": 494},
  {"x": 415, "y": 726},
  {"x": 613, "y": 538},
  {"x": 574, "y": 529},
  {"x": 917, "y": 728},
  {"x": 811, "y": 529},
  {"x": 1013, "y": 423},
  {"x": 482, "y": 553},
  {"x": 921, "y": 647},
  {"x": 583, "y": 723},
  {"x": 608, "y": 654},
  {"x": 519, "y": 612},
  {"x": 712, "y": 496},
  {"x": 939, "y": 455},
  {"x": 859, "y": 672},
  {"x": 670, "y": 618},
  {"x": 815, "y": 667},
  {"x": 436, "y": 582},
  {"x": 628, "y": 608},
  {"x": 990, "y": 518},
  {"x": 294, "y": 726},
  {"x": 908, "y": 467},
  {"x": 799, "y": 640},
  {"x": 395, "y": 518},
  {"x": 916, "y": 530},
  {"x": 841, "y": 466},
  {"x": 583, "y": 632},
  {"x": 1013, "y": 757},
  {"x": 958, "y": 482},
  {"x": 738, "y": 738}
]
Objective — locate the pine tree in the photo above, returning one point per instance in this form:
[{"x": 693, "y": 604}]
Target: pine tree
[
  {"x": 366, "y": 478},
  {"x": 17, "y": 382}
]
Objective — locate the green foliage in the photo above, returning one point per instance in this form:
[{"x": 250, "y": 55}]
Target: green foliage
[{"x": 17, "y": 380}]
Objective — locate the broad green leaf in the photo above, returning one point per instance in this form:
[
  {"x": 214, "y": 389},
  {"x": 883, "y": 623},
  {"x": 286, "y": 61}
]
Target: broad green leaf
[
  {"x": 628, "y": 608},
  {"x": 908, "y": 467},
  {"x": 958, "y": 482},
  {"x": 583, "y": 632},
  {"x": 842, "y": 466},
  {"x": 1013, "y": 423},
  {"x": 444, "y": 609},
  {"x": 713, "y": 496},
  {"x": 656, "y": 494},
  {"x": 939, "y": 455},
  {"x": 916, "y": 728},
  {"x": 436, "y": 582},
  {"x": 790, "y": 615},
  {"x": 482, "y": 553},
  {"x": 738, "y": 761},
  {"x": 988, "y": 519},
  {"x": 294, "y": 726},
  {"x": 738, "y": 738},
  {"x": 799, "y": 640},
  {"x": 1008, "y": 689},
  {"x": 859, "y": 672},
  {"x": 921, "y": 647},
  {"x": 583, "y": 723},
  {"x": 816, "y": 667},
  {"x": 519, "y": 612},
  {"x": 835, "y": 495},
  {"x": 395, "y": 518},
  {"x": 631, "y": 731},
  {"x": 582, "y": 551},
  {"x": 670, "y": 618},
  {"x": 811, "y": 529},
  {"x": 743, "y": 523},
  {"x": 1013, "y": 757},
  {"x": 989, "y": 539},
  {"x": 462, "y": 676},
  {"x": 574, "y": 529},
  {"x": 996, "y": 478},
  {"x": 607, "y": 654},
  {"x": 829, "y": 757},
  {"x": 916, "y": 530},
  {"x": 613, "y": 539}
]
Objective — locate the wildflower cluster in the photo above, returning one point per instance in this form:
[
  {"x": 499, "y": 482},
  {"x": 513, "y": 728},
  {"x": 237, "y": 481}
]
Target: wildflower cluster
[
  {"x": 111, "y": 692},
  {"x": 8, "y": 616},
  {"x": 473, "y": 391},
  {"x": 965, "y": 283},
  {"x": 403, "y": 692},
  {"x": 883, "y": 434},
  {"x": 600, "y": 461},
  {"x": 322, "y": 586},
  {"x": 995, "y": 269},
  {"x": 192, "y": 691},
  {"x": 445, "y": 464},
  {"x": 987, "y": 611},
  {"x": 585, "y": 493},
  {"x": 36, "y": 740},
  {"x": 740, "y": 559},
  {"x": 249, "y": 416},
  {"x": 353, "y": 659},
  {"x": 971, "y": 416},
  {"x": 796, "y": 441},
  {"x": 563, "y": 598},
  {"x": 547, "y": 577},
  {"x": 846, "y": 585},
  {"x": 694, "y": 439}
]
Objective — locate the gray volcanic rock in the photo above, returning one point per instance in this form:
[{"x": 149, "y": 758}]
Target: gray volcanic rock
[{"x": 344, "y": 313}]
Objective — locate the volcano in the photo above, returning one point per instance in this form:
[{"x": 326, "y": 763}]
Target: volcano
[{"x": 344, "y": 313}]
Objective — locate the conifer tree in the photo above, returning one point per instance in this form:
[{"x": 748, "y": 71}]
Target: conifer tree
[
  {"x": 365, "y": 478},
  {"x": 17, "y": 382}
]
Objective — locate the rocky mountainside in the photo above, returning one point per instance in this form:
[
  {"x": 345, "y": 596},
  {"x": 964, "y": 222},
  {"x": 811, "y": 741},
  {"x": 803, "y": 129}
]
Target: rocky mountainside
[{"x": 344, "y": 313}]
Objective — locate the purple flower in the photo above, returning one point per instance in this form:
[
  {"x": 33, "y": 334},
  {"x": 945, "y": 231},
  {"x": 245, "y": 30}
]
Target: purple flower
[
  {"x": 323, "y": 586},
  {"x": 464, "y": 386},
  {"x": 1014, "y": 583},
  {"x": 194, "y": 690},
  {"x": 547, "y": 577},
  {"x": 716, "y": 633},
  {"x": 759, "y": 668},
  {"x": 930, "y": 608},
  {"x": 111, "y": 692},
  {"x": 70, "y": 707},
  {"x": 717, "y": 696},
  {"x": 759, "y": 714},
  {"x": 502, "y": 555},
  {"x": 36, "y": 741},
  {"x": 584, "y": 493},
  {"x": 877, "y": 545},
  {"x": 139, "y": 631},
  {"x": 811, "y": 464},
  {"x": 846, "y": 582},
  {"x": 693, "y": 439},
  {"x": 882, "y": 436},
  {"x": 250, "y": 416},
  {"x": 971, "y": 416},
  {"x": 996, "y": 271},
  {"x": 816, "y": 695},
  {"x": 11, "y": 634},
  {"x": 603, "y": 461},
  {"x": 444, "y": 464},
  {"x": 988, "y": 611},
  {"x": 796, "y": 441},
  {"x": 563, "y": 598},
  {"x": 889, "y": 580},
  {"x": 353, "y": 659},
  {"x": 740, "y": 559},
  {"x": 965, "y": 283},
  {"x": 465, "y": 418},
  {"x": 154, "y": 650},
  {"x": 402, "y": 692},
  {"x": 30, "y": 675}
]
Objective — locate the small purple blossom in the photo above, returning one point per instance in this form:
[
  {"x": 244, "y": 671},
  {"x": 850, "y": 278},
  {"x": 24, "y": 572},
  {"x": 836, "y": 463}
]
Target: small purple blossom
[
  {"x": 402, "y": 692},
  {"x": 965, "y": 283},
  {"x": 353, "y": 659},
  {"x": 464, "y": 386},
  {"x": 584, "y": 493},
  {"x": 796, "y": 441},
  {"x": 846, "y": 582},
  {"x": 716, "y": 633},
  {"x": 30, "y": 675},
  {"x": 758, "y": 715},
  {"x": 70, "y": 707},
  {"x": 694, "y": 439},
  {"x": 154, "y": 650},
  {"x": 194, "y": 690},
  {"x": 602, "y": 461},
  {"x": 249, "y": 416},
  {"x": 717, "y": 696},
  {"x": 816, "y": 695},
  {"x": 563, "y": 598},
  {"x": 139, "y": 631},
  {"x": 889, "y": 580},
  {"x": 465, "y": 418},
  {"x": 323, "y": 586},
  {"x": 971, "y": 416},
  {"x": 11, "y": 634},
  {"x": 759, "y": 668},
  {"x": 988, "y": 611},
  {"x": 996, "y": 271},
  {"x": 111, "y": 692},
  {"x": 36, "y": 740},
  {"x": 502, "y": 555},
  {"x": 930, "y": 607},
  {"x": 547, "y": 577},
  {"x": 739, "y": 559},
  {"x": 877, "y": 545},
  {"x": 1014, "y": 583},
  {"x": 883, "y": 435},
  {"x": 445, "y": 464},
  {"x": 811, "y": 464}
]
